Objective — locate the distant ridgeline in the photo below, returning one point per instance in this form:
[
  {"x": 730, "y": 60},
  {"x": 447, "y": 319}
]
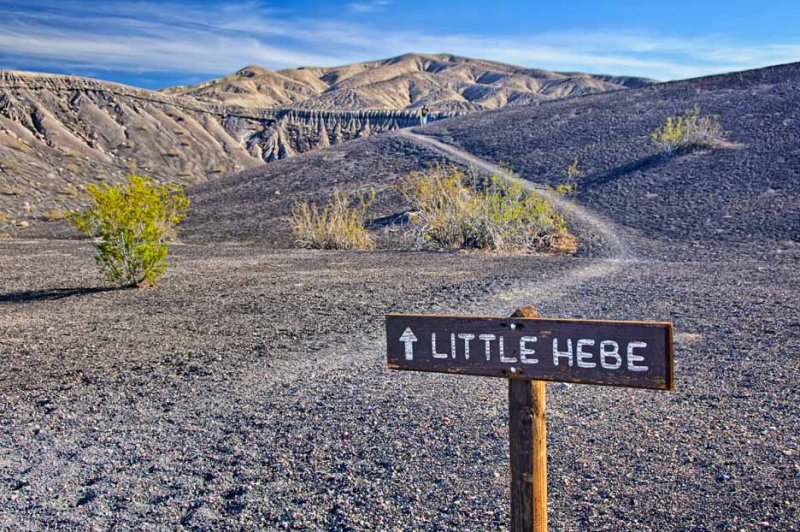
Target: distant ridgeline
[
  {"x": 60, "y": 132},
  {"x": 267, "y": 133}
]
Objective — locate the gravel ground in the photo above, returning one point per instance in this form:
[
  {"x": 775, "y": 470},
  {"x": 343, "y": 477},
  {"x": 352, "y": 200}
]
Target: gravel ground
[{"x": 250, "y": 391}]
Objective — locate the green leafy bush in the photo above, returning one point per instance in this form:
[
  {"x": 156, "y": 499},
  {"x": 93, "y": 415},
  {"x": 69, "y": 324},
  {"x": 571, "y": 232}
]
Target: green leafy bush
[
  {"x": 339, "y": 225},
  {"x": 451, "y": 211},
  {"x": 131, "y": 224},
  {"x": 689, "y": 130}
]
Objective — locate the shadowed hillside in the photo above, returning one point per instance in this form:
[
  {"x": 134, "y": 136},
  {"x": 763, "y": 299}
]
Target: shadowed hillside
[{"x": 745, "y": 193}]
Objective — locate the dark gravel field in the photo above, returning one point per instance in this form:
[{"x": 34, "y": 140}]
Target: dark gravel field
[
  {"x": 249, "y": 390},
  {"x": 711, "y": 198}
]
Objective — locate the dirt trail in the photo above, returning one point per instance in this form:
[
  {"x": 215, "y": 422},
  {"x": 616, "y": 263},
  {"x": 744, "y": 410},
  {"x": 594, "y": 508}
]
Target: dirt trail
[
  {"x": 615, "y": 245},
  {"x": 615, "y": 255}
]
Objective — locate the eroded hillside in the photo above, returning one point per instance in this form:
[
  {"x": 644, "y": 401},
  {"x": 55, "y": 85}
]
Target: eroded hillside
[
  {"x": 441, "y": 82},
  {"x": 58, "y": 133}
]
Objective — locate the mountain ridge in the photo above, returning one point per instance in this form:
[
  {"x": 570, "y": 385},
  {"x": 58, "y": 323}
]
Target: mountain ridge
[
  {"x": 439, "y": 81},
  {"x": 60, "y": 132}
]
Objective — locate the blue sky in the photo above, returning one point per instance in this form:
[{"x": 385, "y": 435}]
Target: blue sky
[{"x": 161, "y": 43}]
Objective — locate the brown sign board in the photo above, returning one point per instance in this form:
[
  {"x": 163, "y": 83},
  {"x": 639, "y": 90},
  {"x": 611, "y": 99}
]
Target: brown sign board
[{"x": 635, "y": 354}]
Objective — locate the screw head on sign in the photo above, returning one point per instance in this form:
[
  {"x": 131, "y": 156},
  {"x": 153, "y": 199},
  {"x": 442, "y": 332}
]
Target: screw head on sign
[
  {"x": 513, "y": 370},
  {"x": 512, "y": 326}
]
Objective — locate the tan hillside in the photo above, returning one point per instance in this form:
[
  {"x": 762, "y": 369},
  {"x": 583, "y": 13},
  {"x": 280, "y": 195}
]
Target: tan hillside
[
  {"x": 440, "y": 81},
  {"x": 58, "y": 133}
]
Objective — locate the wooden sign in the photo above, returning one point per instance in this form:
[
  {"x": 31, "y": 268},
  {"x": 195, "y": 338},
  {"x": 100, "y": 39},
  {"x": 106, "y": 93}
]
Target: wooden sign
[
  {"x": 636, "y": 354},
  {"x": 529, "y": 350}
]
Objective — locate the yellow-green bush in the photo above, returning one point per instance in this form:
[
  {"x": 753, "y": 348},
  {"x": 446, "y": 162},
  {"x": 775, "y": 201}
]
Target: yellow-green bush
[
  {"x": 689, "y": 130},
  {"x": 131, "y": 224},
  {"x": 450, "y": 212},
  {"x": 339, "y": 225}
]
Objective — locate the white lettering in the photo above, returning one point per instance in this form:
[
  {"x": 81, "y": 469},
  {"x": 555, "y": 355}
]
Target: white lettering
[
  {"x": 584, "y": 358},
  {"x": 503, "y": 358},
  {"x": 488, "y": 339},
  {"x": 433, "y": 348},
  {"x": 566, "y": 354},
  {"x": 610, "y": 349},
  {"x": 453, "y": 345},
  {"x": 525, "y": 351},
  {"x": 635, "y": 358},
  {"x": 466, "y": 337}
]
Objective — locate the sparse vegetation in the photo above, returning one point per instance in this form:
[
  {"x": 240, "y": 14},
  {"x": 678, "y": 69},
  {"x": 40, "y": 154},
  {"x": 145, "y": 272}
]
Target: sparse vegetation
[
  {"x": 454, "y": 212},
  {"x": 573, "y": 170},
  {"x": 570, "y": 175},
  {"x": 53, "y": 215},
  {"x": 689, "y": 130},
  {"x": 69, "y": 190},
  {"x": 131, "y": 224},
  {"x": 22, "y": 146},
  {"x": 339, "y": 225},
  {"x": 9, "y": 165}
]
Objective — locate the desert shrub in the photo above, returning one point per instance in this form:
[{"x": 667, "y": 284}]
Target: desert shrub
[
  {"x": 69, "y": 190},
  {"x": 53, "y": 215},
  {"x": 689, "y": 130},
  {"x": 573, "y": 170},
  {"x": 569, "y": 179},
  {"x": 9, "y": 165},
  {"x": 131, "y": 224},
  {"x": 339, "y": 225},
  {"x": 454, "y": 212}
]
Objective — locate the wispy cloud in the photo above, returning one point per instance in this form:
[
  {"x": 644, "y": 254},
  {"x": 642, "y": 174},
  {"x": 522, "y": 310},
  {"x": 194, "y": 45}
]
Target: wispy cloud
[
  {"x": 190, "y": 38},
  {"x": 369, "y": 6}
]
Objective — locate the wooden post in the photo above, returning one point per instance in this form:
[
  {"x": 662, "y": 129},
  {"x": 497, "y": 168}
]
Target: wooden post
[{"x": 527, "y": 434}]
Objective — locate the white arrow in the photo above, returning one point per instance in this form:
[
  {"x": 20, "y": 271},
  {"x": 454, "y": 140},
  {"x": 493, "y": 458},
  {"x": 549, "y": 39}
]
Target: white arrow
[{"x": 408, "y": 338}]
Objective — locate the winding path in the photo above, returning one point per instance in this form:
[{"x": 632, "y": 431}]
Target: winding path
[{"x": 616, "y": 246}]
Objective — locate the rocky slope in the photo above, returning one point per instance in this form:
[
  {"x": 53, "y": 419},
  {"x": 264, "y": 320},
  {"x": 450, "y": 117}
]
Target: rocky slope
[
  {"x": 58, "y": 133},
  {"x": 749, "y": 192},
  {"x": 439, "y": 81}
]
